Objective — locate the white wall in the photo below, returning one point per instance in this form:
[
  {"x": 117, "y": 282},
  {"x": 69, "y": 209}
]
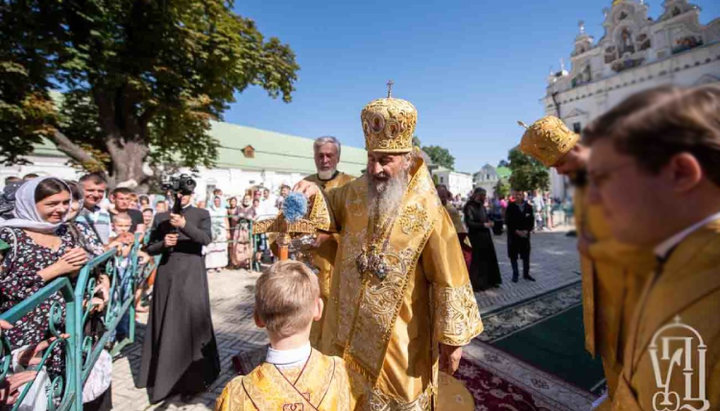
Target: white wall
[{"x": 43, "y": 166}]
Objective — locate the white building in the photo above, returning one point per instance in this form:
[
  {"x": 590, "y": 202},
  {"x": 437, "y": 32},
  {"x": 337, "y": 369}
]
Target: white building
[
  {"x": 457, "y": 182},
  {"x": 636, "y": 52},
  {"x": 488, "y": 177}
]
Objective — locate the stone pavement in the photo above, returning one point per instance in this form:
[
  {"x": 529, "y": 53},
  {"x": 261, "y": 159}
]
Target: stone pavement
[{"x": 554, "y": 263}]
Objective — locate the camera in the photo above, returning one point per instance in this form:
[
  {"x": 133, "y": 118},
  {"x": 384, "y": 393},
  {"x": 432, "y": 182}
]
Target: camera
[{"x": 183, "y": 184}]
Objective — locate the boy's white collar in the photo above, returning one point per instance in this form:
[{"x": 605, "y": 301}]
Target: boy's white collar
[{"x": 289, "y": 358}]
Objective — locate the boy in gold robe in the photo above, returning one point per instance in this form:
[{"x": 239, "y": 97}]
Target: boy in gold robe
[
  {"x": 613, "y": 272},
  {"x": 294, "y": 376},
  {"x": 655, "y": 170}
]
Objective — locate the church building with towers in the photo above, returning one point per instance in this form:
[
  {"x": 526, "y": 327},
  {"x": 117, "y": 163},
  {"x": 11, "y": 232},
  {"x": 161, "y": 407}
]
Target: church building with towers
[{"x": 636, "y": 52}]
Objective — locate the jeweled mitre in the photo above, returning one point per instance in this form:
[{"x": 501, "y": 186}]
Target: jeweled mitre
[
  {"x": 389, "y": 124},
  {"x": 548, "y": 140}
]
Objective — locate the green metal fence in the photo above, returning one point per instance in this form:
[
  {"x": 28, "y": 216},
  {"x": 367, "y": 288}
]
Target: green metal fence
[{"x": 80, "y": 349}]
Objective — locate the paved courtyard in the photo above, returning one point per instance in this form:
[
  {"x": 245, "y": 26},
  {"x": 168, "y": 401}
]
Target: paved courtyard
[{"x": 554, "y": 263}]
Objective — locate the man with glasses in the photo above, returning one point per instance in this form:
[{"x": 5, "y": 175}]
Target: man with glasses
[
  {"x": 612, "y": 272},
  {"x": 654, "y": 169}
]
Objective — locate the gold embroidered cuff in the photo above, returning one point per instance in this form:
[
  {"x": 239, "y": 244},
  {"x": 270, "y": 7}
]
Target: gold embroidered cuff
[{"x": 457, "y": 318}]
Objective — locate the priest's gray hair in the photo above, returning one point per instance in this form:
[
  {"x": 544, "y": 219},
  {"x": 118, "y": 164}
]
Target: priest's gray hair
[{"x": 321, "y": 141}]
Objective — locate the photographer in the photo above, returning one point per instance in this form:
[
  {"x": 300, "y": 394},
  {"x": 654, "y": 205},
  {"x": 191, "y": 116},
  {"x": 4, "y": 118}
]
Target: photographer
[{"x": 179, "y": 353}]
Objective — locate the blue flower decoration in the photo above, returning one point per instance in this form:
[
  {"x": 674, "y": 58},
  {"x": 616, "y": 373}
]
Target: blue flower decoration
[{"x": 294, "y": 207}]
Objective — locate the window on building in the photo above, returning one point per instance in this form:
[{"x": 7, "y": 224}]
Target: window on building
[{"x": 577, "y": 127}]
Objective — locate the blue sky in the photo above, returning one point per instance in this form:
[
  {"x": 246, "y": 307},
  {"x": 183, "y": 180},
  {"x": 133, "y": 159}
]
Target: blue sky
[{"x": 471, "y": 68}]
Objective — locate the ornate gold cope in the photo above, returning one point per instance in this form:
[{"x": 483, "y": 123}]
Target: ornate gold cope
[{"x": 364, "y": 303}]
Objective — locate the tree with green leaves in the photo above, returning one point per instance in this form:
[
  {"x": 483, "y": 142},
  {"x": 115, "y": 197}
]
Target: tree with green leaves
[
  {"x": 440, "y": 156},
  {"x": 528, "y": 174},
  {"x": 502, "y": 188},
  {"x": 140, "y": 80}
]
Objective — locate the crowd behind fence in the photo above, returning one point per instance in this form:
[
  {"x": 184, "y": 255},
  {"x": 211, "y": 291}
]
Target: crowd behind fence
[{"x": 68, "y": 329}]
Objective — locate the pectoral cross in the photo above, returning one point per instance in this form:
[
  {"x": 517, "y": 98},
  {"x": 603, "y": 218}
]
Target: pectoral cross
[{"x": 389, "y": 86}]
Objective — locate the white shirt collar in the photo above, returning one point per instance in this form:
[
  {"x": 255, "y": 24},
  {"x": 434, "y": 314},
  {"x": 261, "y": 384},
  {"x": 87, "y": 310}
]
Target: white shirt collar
[
  {"x": 662, "y": 249},
  {"x": 295, "y": 357}
]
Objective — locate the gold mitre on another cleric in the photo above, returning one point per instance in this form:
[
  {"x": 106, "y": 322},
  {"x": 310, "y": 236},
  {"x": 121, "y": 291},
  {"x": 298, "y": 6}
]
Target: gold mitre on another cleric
[
  {"x": 548, "y": 140},
  {"x": 388, "y": 125}
]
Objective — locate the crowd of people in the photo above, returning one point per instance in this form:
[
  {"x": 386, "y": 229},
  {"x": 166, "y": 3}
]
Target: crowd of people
[
  {"x": 51, "y": 228},
  {"x": 390, "y": 303}
]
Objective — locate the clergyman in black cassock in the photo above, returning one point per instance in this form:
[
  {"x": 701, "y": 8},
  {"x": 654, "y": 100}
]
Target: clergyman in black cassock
[
  {"x": 484, "y": 270},
  {"x": 180, "y": 353},
  {"x": 520, "y": 221}
]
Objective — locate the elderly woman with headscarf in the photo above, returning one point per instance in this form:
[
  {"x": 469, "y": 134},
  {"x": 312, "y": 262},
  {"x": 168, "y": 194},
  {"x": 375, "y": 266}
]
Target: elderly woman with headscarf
[
  {"x": 42, "y": 248},
  {"x": 216, "y": 253},
  {"x": 484, "y": 270}
]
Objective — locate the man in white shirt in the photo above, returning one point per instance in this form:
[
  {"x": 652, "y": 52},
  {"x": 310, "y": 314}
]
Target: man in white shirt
[
  {"x": 92, "y": 214},
  {"x": 655, "y": 170}
]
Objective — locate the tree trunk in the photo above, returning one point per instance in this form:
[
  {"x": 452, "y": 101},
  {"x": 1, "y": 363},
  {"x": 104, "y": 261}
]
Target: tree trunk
[
  {"x": 126, "y": 140},
  {"x": 128, "y": 160}
]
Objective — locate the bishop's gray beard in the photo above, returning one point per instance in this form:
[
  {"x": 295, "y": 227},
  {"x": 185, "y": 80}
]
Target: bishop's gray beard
[{"x": 385, "y": 196}]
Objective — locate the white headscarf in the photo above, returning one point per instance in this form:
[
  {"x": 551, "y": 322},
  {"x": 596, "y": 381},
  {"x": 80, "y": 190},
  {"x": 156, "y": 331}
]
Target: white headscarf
[{"x": 26, "y": 212}]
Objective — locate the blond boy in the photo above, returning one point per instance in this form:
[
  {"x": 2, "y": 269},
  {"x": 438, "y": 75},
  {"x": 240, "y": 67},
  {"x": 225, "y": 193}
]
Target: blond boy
[
  {"x": 293, "y": 376},
  {"x": 120, "y": 225}
]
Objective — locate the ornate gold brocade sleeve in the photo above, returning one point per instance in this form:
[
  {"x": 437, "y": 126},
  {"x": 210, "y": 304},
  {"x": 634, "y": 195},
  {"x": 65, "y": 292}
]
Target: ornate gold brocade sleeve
[
  {"x": 455, "y": 311},
  {"x": 335, "y": 199},
  {"x": 232, "y": 397}
]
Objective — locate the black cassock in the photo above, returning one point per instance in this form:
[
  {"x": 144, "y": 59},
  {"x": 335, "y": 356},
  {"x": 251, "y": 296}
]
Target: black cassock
[
  {"x": 179, "y": 353},
  {"x": 484, "y": 270}
]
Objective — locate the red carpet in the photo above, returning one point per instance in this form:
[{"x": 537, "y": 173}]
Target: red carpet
[
  {"x": 492, "y": 392},
  {"x": 495, "y": 380}
]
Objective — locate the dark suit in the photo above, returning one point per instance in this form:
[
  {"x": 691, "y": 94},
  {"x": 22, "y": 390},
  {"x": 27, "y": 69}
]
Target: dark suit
[
  {"x": 179, "y": 352},
  {"x": 519, "y": 217}
]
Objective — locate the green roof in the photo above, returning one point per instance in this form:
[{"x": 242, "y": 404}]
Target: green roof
[
  {"x": 272, "y": 151},
  {"x": 276, "y": 151},
  {"x": 503, "y": 172}
]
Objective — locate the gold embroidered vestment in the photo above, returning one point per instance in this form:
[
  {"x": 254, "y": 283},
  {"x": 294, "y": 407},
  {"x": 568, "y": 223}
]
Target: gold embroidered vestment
[
  {"x": 323, "y": 256},
  {"x": 387, "y": 328},
  {"x": 321, "y": 385}
]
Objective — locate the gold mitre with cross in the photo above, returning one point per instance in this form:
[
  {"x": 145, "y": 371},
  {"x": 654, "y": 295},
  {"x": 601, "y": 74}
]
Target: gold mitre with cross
[
  {"x": 548, "y": 140},
  {"x": 389, "y": 124}
]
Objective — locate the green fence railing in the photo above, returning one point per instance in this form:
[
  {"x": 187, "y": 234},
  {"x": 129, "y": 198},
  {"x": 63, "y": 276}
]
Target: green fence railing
[{"x": 79, "y": 347}]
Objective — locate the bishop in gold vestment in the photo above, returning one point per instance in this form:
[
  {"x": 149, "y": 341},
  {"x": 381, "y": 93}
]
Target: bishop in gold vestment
[
  {"x": 401, "y": 288},
  {"x": 322, "y": 257},
  {"x": 322, "y": 384},
  {"x": 613, "y": 273}
]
